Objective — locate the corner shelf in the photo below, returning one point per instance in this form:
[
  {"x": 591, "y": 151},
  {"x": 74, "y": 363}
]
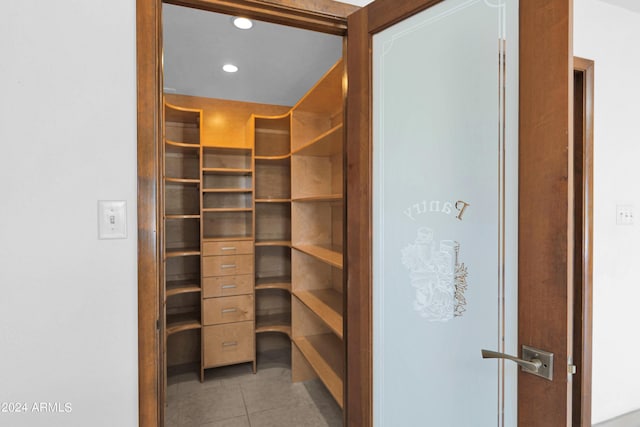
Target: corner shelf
[
  {"x": 171, "y": 253},
  {"x": 280, "y": 323},
  {"x": 328, "y": 254},
  {"x": 326, "y": 304},
  {"x": 324, "y": 354},
  {"x": 177, "y": 287},
  {"x": 182, "y": 180},
  {"x": 327, "y": 144},
  {"x": 182, "y": 322},
  {"x": 277, "y": 282}
]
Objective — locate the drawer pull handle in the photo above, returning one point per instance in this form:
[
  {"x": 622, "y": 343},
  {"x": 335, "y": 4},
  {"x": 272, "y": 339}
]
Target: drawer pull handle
[
  {"x": 229, "y": 310},
  {"x": 229, "y": 343},
  {"x": 228, "y": 286},
  {"x": 228, "y": 248},
  {"x": 228, "y": 266}
]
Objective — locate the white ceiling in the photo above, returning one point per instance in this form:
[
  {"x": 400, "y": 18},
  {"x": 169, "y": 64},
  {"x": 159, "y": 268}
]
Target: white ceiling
[{"x": 277, "y": 64}]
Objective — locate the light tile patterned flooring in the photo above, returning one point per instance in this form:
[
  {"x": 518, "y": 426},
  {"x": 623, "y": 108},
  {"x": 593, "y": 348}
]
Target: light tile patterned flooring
[{"x": 235, "y": 397}]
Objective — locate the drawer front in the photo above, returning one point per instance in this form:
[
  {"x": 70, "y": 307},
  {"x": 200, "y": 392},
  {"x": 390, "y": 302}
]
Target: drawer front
[
  {"x": 227, "y": 248},
  {"x": 227, "y": 344},
  {"x": 223, "y": 286},
  {"x": 227, "y": 309},
  {"x": 228, "y": 265}
]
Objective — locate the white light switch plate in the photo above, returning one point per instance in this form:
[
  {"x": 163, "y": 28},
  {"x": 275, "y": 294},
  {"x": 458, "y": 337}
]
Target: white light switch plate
[
  {"x": 624, "y": 214},
  {"x": 112, "y": 219}
]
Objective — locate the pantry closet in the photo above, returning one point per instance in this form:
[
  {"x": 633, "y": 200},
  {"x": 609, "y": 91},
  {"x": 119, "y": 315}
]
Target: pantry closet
[{"x": 253, "y": 231}]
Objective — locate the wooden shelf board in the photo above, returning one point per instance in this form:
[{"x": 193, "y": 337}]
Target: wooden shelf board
[
  {"x": 325, "y": 355},
  {"x": 218, "y": 238},
  {"x": 273, "y": 200},
  {"x": 327, "y": 144},
  {"x": 326, "y": 304},
  {"x": 274, "y": 323},
  {"x": 227, "y": 190},
  {"x": 319, "y": 198},
  {"x": 331, "y": 256},
  {"x": 226, "y": 239},
  {"x": 177, "y": 287},
  {"x": 267, "y": 158},
  {"x": 226, "y": 209},
  {"x": 286, "y": 243},
  {"x": 182, "y": 322},
  {"x": 219, "y": 149},
  {"x": 189, "y": 216},
  {"x": 171, "y": 253},
  {"x": 181, "y": 180},
  {"x": 275, "y": 131},
  {"x": 226, "y": 171},
  {"x": 280, "y": 282},
  {"x": 174, "y": 113},
  {"x": 182, "y": 144}
]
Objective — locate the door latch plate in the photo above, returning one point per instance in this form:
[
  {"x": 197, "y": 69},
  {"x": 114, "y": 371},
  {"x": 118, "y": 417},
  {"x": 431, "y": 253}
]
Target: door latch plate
[{"x": 546, "y": 369}]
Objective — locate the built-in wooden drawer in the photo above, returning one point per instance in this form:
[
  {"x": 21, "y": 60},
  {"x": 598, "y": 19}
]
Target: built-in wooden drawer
[
  {"x": 228, "y": 265},
  {"x": 227, "y": 344},
  {"x": 227, "y": 248},
  {"x": 223, "y": 286},
  {"x": 227, "y": 309}
]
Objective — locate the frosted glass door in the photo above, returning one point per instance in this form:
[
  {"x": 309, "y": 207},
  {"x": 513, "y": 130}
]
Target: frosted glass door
[{"x": 445, "y": 215}]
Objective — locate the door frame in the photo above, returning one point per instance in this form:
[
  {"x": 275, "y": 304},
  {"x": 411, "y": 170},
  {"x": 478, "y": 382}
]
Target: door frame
[
  {"x": 318, "y": 15},
  {"x": 545, "y": 202},
  {"x": 583, "y": 318},
  {"x": 545, "y": 132}
]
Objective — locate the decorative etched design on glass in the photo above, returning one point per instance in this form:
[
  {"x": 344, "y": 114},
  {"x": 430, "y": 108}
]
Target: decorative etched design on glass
[{"x": 439, "y": 279}]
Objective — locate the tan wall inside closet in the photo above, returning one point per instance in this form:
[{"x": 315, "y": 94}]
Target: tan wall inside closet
[{"x": 223, "y": 121}]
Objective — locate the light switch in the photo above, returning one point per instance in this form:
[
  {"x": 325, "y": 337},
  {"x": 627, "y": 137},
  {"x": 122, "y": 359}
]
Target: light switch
[
  {"x": 112, "y": 219},
  {"x": 624, "y": 214}
]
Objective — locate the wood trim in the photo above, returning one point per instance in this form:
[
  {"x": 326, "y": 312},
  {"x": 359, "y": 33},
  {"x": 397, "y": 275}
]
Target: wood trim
[
  {"x": 319, "y": 15},
  {"x": 583, "y": 320},
  {"x": 149, "y": 133},
  {"x": 359, "y": 391},
  {"x": 545, "y": 295}
]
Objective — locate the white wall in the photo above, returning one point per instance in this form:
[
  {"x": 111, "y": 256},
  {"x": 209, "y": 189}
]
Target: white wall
[
  {"x": 68, "y": 308},
  {"x": 610, "y": 35}
]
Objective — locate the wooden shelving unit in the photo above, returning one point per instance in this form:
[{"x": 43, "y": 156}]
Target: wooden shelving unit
[
  {"x": 181, "y": 225},
  {"x": 317, "y": 220},
  {"x": 227, "y": 220},
  {"x": 272, "y": 165}
]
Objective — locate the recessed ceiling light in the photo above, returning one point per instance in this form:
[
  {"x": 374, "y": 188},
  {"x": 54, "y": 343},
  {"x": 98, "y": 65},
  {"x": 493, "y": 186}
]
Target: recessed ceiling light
[
  {"x": 242, "y": 23},
  {"x": 229, "y": 68}
]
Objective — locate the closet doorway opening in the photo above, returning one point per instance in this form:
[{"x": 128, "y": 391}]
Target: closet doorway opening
[{"x": 250, "y": 218}]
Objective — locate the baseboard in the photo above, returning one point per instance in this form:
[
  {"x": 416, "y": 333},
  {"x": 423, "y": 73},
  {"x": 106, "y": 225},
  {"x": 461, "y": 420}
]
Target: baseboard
[{"x": 632, "y": 419}]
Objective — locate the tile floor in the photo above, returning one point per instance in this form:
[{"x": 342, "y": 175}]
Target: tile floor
[{"x": 234, "y": 397}]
